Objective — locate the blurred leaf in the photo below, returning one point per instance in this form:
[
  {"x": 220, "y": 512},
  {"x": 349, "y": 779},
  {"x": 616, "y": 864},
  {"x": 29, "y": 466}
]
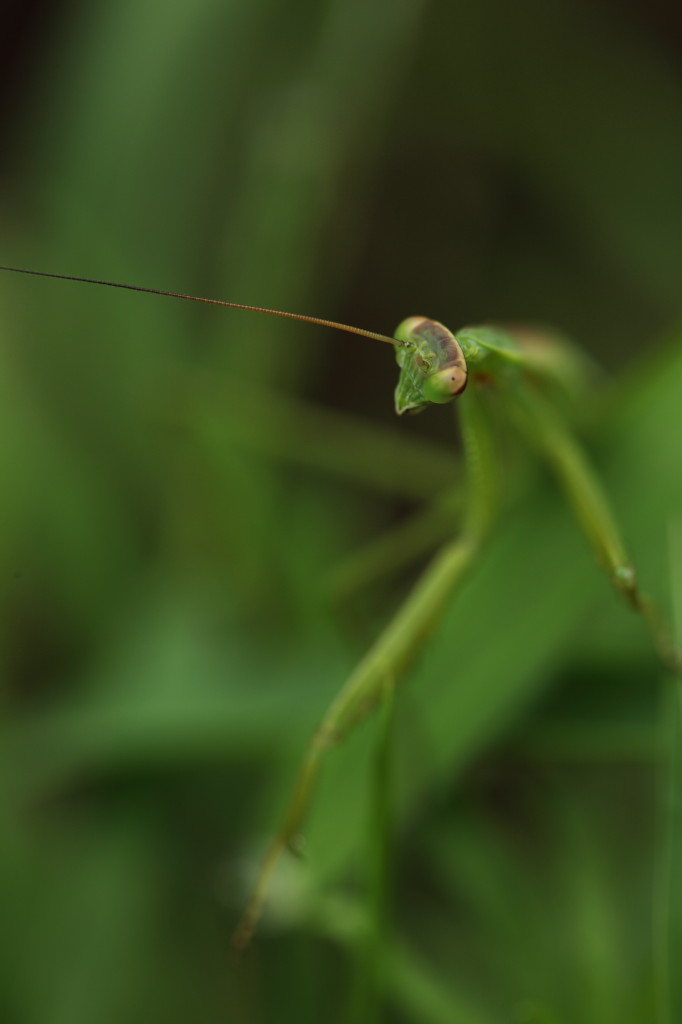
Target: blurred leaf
[{"x": 668, "y": 920}]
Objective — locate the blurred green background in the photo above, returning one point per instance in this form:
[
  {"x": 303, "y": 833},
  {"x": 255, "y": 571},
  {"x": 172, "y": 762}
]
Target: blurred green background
[{"x": 207, "y": 516}]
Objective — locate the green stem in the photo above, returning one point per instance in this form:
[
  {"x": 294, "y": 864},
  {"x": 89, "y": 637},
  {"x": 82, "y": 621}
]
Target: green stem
[{"x": 366, "y": 1007}]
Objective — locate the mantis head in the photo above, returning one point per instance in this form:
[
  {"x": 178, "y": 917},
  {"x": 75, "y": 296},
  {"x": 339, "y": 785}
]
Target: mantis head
[{"x": 432, "y": 365}]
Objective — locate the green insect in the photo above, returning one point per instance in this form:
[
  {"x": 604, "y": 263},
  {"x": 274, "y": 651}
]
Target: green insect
[
  {"x": 433, "y": 369},
  {"x": 533, "y": 379}
]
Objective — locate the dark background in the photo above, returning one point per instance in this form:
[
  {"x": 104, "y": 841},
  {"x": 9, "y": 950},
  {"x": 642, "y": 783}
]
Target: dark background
[{"x": 199, "y": 507}]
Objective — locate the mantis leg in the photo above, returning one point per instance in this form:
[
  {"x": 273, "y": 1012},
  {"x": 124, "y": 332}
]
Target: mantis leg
[
  {"x": 546, "y": 431},
  {"x": 400, "y": 642},
  {"x": 515, "y": 368}
]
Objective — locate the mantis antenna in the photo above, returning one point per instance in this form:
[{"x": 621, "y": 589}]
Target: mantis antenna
[{"x": 215, "y": 302}]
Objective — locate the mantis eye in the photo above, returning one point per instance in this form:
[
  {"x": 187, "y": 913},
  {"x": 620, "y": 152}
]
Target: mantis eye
[{"x": 445, "y": 384}]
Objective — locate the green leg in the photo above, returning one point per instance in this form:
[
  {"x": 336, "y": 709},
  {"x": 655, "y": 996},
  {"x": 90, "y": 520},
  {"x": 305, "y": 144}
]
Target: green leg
[
  {"x": 396, "y": 647},
  {"x": 584, "y": 493}
]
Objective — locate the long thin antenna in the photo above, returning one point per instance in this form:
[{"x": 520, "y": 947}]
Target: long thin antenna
[{"x": 212, "y": 302}]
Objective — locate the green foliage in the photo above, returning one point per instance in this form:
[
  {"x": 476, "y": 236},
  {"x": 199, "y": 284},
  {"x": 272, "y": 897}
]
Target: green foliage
[{"x": 207, "y": 517}]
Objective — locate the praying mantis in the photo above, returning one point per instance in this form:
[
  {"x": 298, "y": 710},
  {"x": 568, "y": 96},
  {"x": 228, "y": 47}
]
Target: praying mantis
[{"x": 532, "y": 379}]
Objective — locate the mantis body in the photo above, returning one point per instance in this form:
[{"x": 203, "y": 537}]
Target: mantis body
[{"x": 530, "y": 377}]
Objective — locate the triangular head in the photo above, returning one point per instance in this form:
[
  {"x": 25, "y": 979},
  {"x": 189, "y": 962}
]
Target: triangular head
[{"x": 432, "y": 365}]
